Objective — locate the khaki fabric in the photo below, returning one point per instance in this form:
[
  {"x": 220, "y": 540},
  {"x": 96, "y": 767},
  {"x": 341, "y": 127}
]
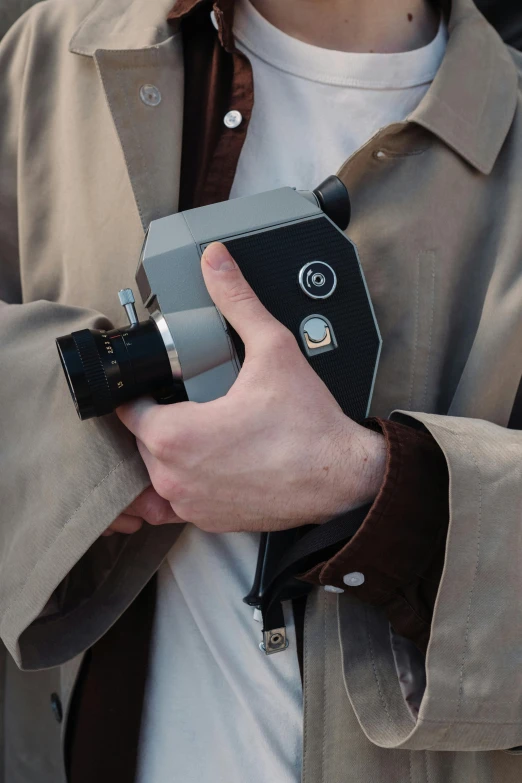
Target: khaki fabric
[{"x": 84, "y": 166}]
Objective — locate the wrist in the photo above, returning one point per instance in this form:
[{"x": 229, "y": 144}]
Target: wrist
[
  {"x": 372, "y": 465},
  {"x": 362, "y": 466}
]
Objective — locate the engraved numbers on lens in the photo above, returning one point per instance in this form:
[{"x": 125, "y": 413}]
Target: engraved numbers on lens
[{"x": 318, "y": 280}]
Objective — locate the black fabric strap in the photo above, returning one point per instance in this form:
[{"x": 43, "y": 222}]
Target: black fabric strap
[
  {"x": 302, "y": 555},
  {"x": 333, "y": 532}
]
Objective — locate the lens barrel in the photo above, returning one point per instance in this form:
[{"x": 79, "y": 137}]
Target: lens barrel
[{"x": 104, "y": 369}]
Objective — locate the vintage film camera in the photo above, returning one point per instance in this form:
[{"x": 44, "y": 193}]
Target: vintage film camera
[{"x": 291, "y": 248}]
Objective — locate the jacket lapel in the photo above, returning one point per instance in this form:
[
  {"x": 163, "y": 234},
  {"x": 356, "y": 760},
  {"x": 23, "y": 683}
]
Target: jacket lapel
[
  {"x": 150, "y": 135},
  {"x": 139, "y": 59}
]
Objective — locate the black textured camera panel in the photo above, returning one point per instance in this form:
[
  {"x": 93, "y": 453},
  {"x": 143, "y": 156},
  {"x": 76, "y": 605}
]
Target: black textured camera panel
[{"x": 271, "y": 262}]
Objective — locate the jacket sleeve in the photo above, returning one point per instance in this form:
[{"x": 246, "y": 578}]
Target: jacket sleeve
[
  {"x": 400, "y": 546},
  {"x": 474, "y": 662},
  {"x": 62, "y": 482}
]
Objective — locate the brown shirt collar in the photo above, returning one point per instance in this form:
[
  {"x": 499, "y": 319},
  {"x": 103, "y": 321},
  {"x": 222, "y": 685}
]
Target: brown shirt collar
[{"x": 224, "y": 13}]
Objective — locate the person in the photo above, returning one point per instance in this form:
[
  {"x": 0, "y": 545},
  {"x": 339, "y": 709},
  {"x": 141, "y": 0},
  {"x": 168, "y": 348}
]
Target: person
[{"x": 403, "y": 661}]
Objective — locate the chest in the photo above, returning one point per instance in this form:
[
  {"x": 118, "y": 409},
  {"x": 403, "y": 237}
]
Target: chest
[{"x": 439, "y": 270}]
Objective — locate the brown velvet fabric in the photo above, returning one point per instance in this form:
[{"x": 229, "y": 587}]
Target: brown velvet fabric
[
  {"x": 218, "y": 79},
  {"x": 400, "y": 546}
]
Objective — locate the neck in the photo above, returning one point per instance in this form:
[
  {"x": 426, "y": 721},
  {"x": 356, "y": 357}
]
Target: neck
[{"x": 354, "y": 25}]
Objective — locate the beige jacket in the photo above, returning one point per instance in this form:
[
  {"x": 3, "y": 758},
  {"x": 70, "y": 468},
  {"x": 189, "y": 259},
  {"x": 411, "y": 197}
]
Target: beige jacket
[{"x": 437, "y": 217}]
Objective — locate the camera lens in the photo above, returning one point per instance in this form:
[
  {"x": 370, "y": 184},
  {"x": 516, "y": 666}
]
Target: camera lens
[{"x": 104, "y": 369}]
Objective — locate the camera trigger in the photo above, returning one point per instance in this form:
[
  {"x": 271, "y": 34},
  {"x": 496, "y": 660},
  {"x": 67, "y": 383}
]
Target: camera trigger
[{"x": 317, "y": 335}]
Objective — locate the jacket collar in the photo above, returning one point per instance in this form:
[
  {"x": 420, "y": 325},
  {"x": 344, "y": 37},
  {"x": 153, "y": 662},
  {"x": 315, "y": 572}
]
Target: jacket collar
[
  {"x": 477, "y": 77},
  {"x": 122, "y": 25},
  {"x": 472, "y": 101}
]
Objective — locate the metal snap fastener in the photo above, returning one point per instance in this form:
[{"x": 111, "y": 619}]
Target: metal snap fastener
[
  {"x": 355, "y": 579},
  {"x": 233, "y": 119},
  {"x": 56, "y": 707},
  {"x": 333, "y": 589},
  {"x": 380, "y": 154},
  {"x": 150, "y": 95}
]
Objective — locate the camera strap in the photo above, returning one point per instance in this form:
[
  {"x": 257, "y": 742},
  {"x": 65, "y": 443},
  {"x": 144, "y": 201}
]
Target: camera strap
[
  {"x": 306, "y": 551},
  {"x": 298, "y": 558}
]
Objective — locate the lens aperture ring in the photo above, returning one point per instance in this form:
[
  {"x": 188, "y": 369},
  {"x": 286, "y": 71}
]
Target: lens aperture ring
[{"x": 94, "y": 371}]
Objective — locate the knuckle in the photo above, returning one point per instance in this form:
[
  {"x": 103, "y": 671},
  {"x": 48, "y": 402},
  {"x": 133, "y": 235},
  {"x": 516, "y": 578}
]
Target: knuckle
[
  {"x": 167, "y": 485},
  {"x": 157, "y": 511},
  {"x": 187, "y": 512},
  {"x": 160, "y": 446},
  {"x": 282, "y": 340},
  {"x": 204, "y": 524},
  {"x": 240, "y": 291}
]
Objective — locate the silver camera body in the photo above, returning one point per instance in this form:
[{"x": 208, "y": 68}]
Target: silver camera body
[
  {"x": 292, "y": 249},
  {"x": 303, "y": 267}
]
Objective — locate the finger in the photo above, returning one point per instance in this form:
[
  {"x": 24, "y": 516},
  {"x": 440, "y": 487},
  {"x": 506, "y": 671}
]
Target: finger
[
  {"x": 126, "y": 523},
  {"x": 152, "y": 508},
  {"x": 138, "y": 414},
  {"x": 233, "y": 296},
  {"x": 164, "y": 480},
  {"x": 149, "y": 421}
]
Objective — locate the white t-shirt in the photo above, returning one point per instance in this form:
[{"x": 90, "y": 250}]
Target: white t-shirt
[{"x": 217, "y": 710}]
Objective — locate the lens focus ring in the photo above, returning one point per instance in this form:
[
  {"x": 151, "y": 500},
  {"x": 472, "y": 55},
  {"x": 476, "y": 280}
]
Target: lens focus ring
[{"x": 94, "y": 371}]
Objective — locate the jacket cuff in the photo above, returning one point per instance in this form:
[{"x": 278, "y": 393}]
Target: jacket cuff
[{"x": 395, "y": 559}]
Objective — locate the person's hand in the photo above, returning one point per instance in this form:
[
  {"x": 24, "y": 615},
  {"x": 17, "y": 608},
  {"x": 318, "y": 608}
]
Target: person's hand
[
  {"x": 276, "y": 452},
  {"x": 147, "y": 507}
]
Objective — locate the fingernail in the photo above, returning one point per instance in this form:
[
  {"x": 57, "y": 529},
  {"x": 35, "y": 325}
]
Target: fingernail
[{"x": 218, "y": 257}]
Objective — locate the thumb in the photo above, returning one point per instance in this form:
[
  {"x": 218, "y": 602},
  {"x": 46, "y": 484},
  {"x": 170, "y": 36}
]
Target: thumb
[{"x": 233, "y": 296}]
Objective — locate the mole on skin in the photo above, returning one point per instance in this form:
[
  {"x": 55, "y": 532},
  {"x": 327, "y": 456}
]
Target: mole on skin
[{"x": 410, "y": 17}]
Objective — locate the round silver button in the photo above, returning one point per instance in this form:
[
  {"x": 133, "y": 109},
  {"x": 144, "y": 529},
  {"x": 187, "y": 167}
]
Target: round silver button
[
  {"x": 333, "y": 589},
  {"x": 150, "y": 95},
  {"x": 318, "y": 280},
  {"x": 355, "y": 579},
  {"x": 316, "y": 329},
  {"x": 233, "y": 119}
]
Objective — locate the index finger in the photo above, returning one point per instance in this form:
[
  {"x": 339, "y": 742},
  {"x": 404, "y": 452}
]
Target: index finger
[{"x": 144, "y": 417}]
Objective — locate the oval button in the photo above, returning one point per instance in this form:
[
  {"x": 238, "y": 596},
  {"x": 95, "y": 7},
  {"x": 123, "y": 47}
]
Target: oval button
[
  {"x": 150, "y": 95},
  {"x": 233, "y": 119},
  {"x": 355, "y": 579}
]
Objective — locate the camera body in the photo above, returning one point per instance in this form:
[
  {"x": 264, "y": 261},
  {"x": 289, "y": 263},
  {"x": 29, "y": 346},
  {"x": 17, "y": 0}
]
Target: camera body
[
  {"x": 291, "y": 248},
  {"x": 303, "y": 269}
]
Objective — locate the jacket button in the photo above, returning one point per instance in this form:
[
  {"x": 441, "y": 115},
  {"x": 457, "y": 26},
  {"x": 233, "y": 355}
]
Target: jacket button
[
  {"x": 233, "y": 119},
  {"x": 333, "y": 589},
  {"x": 150, "y": 95},
  {"x": 355, "y": 579},
  {"x": 56, "y": 706}
]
